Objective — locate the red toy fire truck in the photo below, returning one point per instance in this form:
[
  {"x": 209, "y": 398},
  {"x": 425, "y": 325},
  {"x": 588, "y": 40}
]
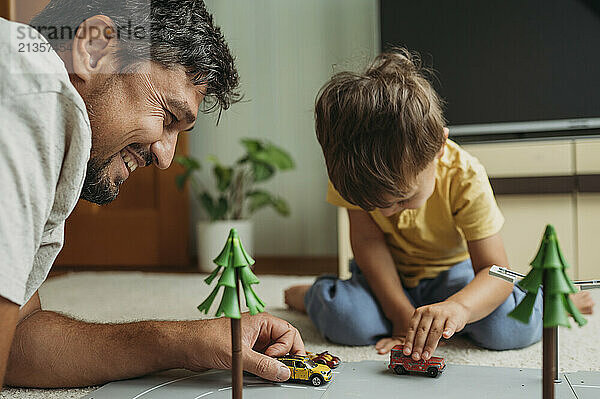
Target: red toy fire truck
[{"x": 402, "y": 364}]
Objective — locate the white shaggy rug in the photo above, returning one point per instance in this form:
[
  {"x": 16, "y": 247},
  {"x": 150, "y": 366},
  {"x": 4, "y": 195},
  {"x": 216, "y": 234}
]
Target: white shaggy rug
[{"x": 127, "y": 296}]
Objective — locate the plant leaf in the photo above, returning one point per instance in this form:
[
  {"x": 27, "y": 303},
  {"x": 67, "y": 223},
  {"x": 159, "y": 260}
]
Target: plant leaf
[
  {"x": 251, "y": 145},
  {"x": 221, "y": 208},
  {"x": 261, "y": 171},
  {"x": 189, "y": 163},
  {"x": 209, "y": 206},
  {"x": 224, "y": 176},
  {"x": 279, "y": 157},
  {"x": 181, "y": 179},
  {"x": 258, "y": 199},
  {"x": 281, "y": 206}
]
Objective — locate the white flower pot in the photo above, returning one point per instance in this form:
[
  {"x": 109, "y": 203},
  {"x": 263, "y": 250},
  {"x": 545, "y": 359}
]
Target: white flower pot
[{"x": 212, "y": 237}]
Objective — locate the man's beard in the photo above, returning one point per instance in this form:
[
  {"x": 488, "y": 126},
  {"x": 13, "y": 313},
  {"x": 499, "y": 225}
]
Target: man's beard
[{"x": 97, "y": 186}]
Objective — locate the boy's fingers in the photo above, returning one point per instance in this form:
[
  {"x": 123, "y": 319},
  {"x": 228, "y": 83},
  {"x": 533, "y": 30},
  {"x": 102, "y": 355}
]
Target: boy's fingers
[
  {"x": 435, "y": 333},
  {"x": 384, "y": 345},
  {"x": 381, "y": 343},
  {"x": 389, "y": 344},
  {"x": 421, "y": 337},
  {"x": 412, "y": 331}
]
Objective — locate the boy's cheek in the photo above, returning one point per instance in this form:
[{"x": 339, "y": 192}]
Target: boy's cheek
[{"x": 387, "y": 212}]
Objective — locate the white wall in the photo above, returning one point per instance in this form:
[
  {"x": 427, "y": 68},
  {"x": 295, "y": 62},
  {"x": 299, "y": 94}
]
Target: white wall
[{"x": 286, "y": 50}]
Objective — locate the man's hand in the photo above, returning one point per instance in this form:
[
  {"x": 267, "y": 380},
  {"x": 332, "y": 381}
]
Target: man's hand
[
  {"x": 84, "y": 354},
  {"x": 262, "y": 333},
  {"x": 430, "y": 323}
]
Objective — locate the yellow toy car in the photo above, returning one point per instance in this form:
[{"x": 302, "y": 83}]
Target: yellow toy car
[{"x": 302, "y": 368}]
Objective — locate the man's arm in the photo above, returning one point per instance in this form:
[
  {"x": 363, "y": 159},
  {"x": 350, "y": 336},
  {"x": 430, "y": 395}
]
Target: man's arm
[
  {"x": 376, "y": 263},
  {"x": 51, "y": 350},
  {"x": 9, "y": 313},
  {"x": 476, "y": 300}
]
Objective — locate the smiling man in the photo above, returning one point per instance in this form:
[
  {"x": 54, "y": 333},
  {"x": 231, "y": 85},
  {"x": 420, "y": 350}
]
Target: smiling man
[{"x": 95, "y": 90}]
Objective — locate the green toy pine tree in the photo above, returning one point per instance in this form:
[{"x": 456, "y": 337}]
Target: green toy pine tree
[
  {"x": 549, "y": 270},
  {"x": 235, "y": 263}
]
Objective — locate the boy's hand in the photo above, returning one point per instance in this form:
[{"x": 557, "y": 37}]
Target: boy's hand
[
  {"x": 384, "y": 345},
  {"x": 399, "y": 329},
  {"x": 429, "y": 324}
]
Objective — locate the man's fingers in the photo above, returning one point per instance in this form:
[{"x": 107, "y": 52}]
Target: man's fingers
[
  {"x": 265, "y": 367},
  {"x": 289, "y": 341},
  {"x": 298, "y": 345},
  {"x": 282, "y": 344},
  {"x": 435, "y": 333}
]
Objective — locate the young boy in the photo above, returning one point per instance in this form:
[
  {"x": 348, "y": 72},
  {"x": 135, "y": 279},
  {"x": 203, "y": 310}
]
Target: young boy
[{"x": 424, "y": 224}]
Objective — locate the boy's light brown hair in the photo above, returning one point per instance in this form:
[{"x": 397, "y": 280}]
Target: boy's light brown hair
[{"x": 379, "y": 129}]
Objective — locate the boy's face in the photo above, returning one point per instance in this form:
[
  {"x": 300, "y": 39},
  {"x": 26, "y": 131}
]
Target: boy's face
[{"x": 421, "y": 191}]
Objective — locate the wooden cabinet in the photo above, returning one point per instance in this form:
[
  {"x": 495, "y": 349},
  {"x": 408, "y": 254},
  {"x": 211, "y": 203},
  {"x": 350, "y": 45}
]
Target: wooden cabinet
[
  {"x": 21, "y": 10},
  {"x": 587, "y": 156},
  {"x": 588, "y": 232},
  {"x": 525, "y": 159},
  {"x": 566, "y": 175},
  {"x": 526, "y": 217}
]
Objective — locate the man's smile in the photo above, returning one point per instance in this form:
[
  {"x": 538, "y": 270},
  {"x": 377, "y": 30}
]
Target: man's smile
[
  {"x": 129, "y": 160},
  {"x": 132, "y": 159}
]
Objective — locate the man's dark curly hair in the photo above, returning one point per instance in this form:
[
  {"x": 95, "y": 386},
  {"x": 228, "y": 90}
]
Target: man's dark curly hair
[{"x": 172, "y": 33}]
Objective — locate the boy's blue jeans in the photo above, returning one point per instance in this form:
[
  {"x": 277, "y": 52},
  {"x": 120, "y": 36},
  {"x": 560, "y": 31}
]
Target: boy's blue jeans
[{"x": 347, "y": 312}]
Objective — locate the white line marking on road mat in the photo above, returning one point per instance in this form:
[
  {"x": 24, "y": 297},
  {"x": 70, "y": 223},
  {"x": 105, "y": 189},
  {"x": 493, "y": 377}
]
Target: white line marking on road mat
[
  {"x": 292, "y": 386},
  {"x": 163, "y": 384},
  {"x": 203, "y": 395}
]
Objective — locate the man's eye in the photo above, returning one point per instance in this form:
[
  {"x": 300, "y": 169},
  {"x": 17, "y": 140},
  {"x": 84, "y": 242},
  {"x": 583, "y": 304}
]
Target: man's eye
[{"x": 170, "y": 118}]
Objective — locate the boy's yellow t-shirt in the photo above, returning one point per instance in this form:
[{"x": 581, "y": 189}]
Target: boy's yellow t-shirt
[{"x": 426, "y": 241}]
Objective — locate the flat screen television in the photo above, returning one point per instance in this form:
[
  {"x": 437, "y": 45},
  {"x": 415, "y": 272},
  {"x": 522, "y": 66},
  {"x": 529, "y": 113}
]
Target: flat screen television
[{"x": 517, "y": 68}]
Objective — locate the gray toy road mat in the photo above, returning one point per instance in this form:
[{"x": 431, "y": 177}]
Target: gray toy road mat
[{"x": 367, "y": 379}]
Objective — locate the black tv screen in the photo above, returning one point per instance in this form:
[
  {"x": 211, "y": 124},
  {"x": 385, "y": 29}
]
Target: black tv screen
[{"x": 504, "y": 61}]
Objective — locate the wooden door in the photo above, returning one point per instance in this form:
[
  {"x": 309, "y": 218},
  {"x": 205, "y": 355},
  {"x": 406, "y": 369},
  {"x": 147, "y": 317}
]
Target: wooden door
[{"x": 147, "y": 225}]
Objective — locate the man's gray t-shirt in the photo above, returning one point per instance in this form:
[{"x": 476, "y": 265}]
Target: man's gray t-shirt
[{"x": 45, "y": 141}]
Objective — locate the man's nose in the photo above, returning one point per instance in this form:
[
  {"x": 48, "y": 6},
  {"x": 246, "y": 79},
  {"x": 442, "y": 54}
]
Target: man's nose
[{"x": 164, "y": 151}]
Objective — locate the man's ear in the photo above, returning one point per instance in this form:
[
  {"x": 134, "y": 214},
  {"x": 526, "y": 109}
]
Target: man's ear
[
  {"x": 93, "y": 47},
  {"x": 446, "y": 133}
]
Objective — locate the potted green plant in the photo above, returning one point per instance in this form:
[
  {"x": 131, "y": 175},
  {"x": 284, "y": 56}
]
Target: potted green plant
[{"x": 233, "y": 195}]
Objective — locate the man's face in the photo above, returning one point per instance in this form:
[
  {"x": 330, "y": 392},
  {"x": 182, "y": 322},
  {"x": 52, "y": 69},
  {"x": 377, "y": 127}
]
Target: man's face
[
  {"x": 135, "y": 120},
  {"x": 418, "y": 195}
]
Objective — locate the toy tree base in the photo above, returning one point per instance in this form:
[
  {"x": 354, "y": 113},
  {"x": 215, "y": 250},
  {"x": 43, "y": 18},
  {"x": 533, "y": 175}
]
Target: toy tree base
[{"x": 368, "y": 379}]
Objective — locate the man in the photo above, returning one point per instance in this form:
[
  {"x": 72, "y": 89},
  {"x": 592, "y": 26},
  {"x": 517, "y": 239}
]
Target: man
[{"x": 112, "y": 93}]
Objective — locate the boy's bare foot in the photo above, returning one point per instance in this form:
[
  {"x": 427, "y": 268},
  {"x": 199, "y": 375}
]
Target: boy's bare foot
[
  {"x": 583, "y": 301},
  {"x": 294, "y": 297}
]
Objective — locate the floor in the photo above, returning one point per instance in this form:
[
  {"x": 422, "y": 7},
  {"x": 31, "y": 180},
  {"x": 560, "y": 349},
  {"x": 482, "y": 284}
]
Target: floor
[{"x": 126, "y": 296}]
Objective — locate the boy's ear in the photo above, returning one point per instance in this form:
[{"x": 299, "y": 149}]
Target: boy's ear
[
  {"x": 446, "y": 133},
  {"x": 93, "y": 47}
]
